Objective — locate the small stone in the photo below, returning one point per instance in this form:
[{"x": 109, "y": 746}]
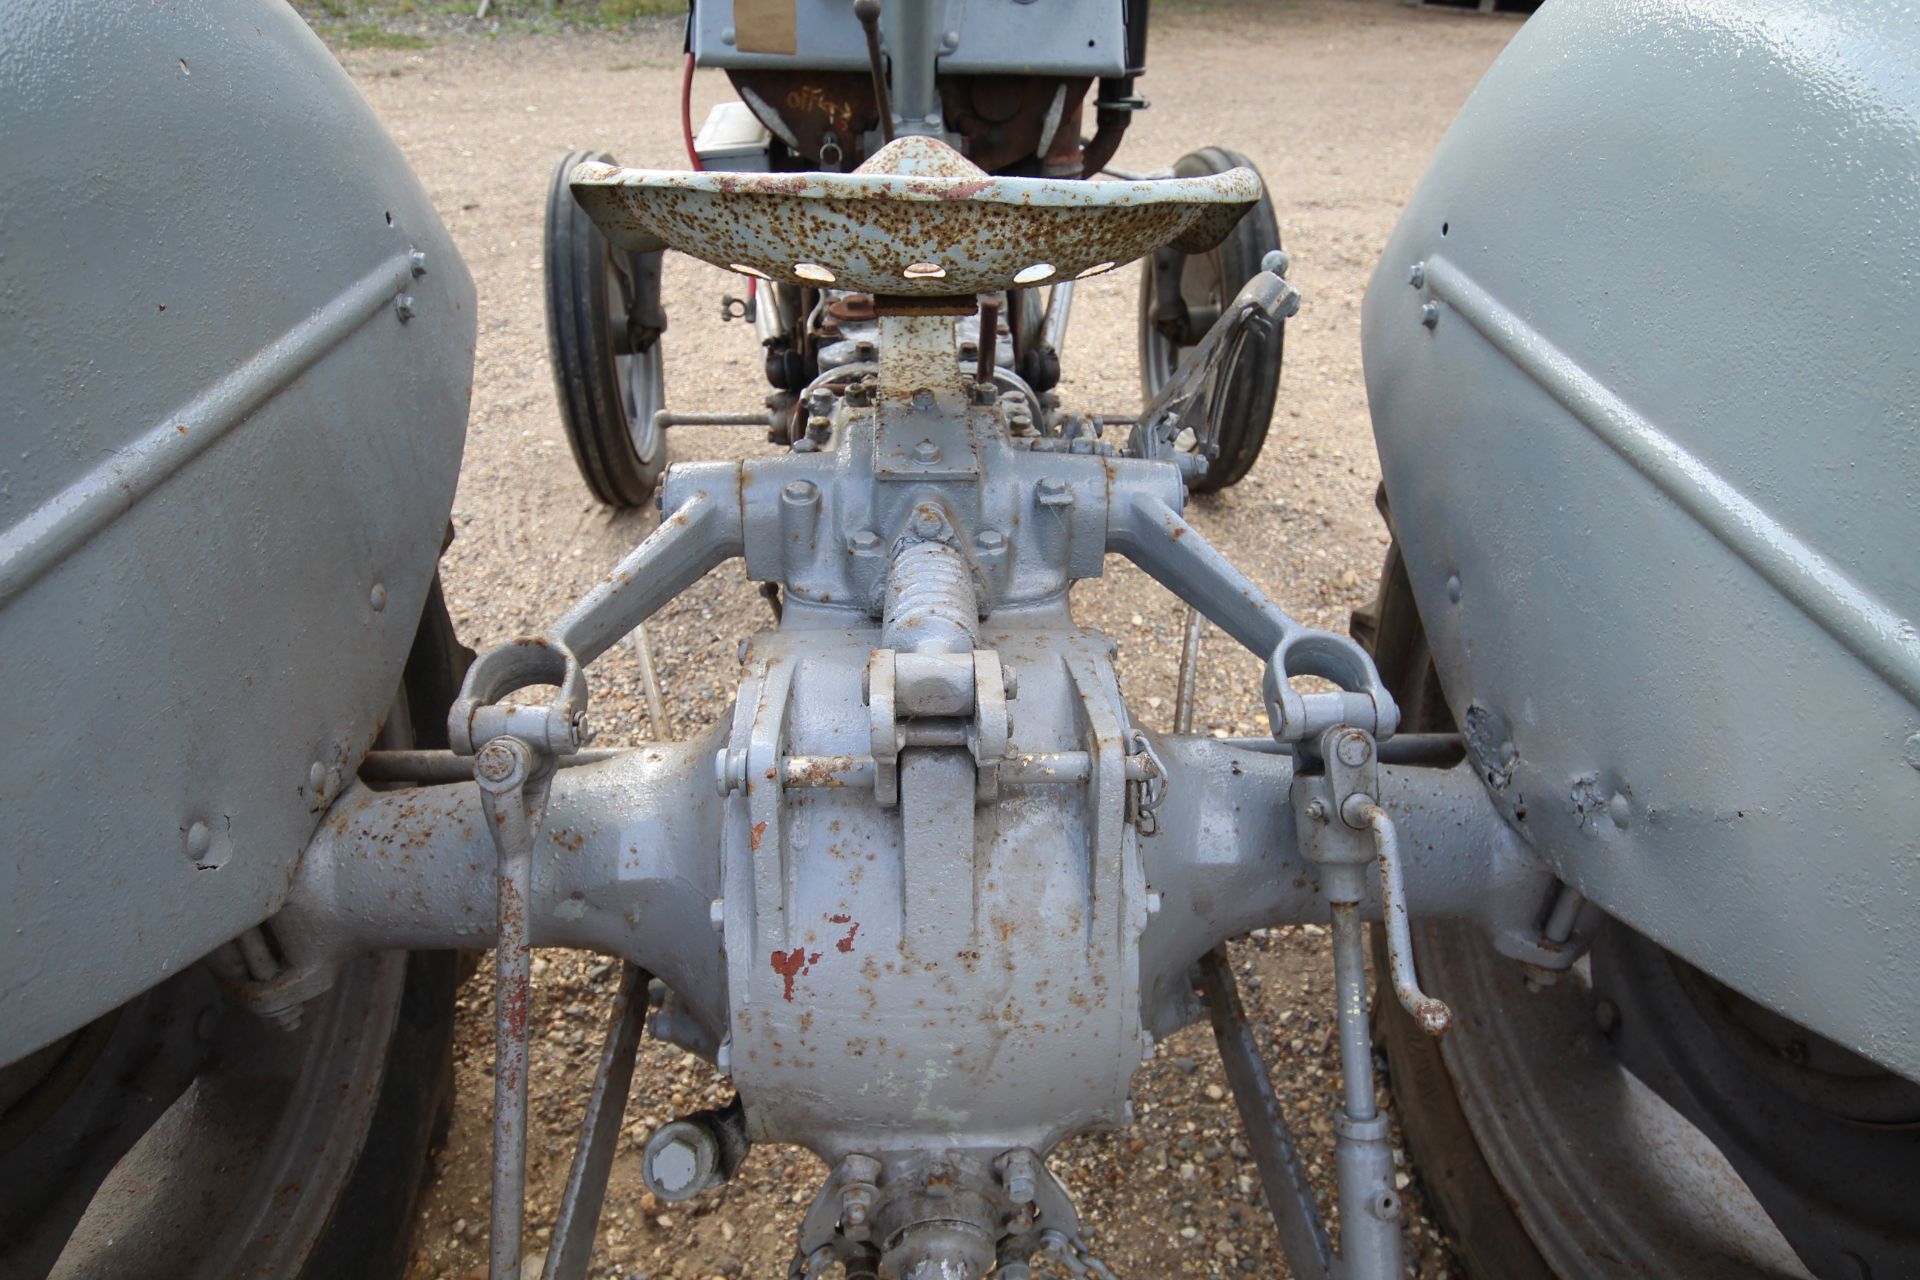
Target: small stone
[
  {"x": 1215, "y": 1092},
  {"x": 1185, "y": 1066}
]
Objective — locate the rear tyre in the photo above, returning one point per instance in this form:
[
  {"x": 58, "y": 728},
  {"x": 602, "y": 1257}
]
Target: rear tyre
[
  {"x": 603, "y": 337},
  {"x": 1250, "y": 380},
  {"x": 183, "y": 1137},
  {"x": 1635, "y": 1118}
]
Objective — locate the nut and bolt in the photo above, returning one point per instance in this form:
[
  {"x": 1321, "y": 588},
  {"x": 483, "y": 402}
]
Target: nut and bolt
[
  {"x": 1316, "y": 811},
  {"x": 801, "y": 492},
  {"x": 991, "y": 542},
  {"x": 323, "y": 783},
  {"x": 729, "y": 771},
  {"x": 1418, "y": 276},
  {"x": 403, "y": 307},
  {"x": 679, "y": 1160},
  {"x": 502, "y": 764},
  {"x": 1019, "y": 1174},
  {"x": 1051, "y": 490},
  {"x": 926, "y": 452},
  {"x": 1430, "y": 314},
  {"x": 1354, "y": 750},
  {"x": 927, "y": 522},
  {"x": 856, "y": 1210},
  {"x": 864, "y": 542},
  {"x": 417, "y": 262}
]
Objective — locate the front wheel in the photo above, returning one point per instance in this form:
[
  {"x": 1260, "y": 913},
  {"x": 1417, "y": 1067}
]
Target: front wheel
[
  {"x": 1181, "y": 295},
  {"x": 604, "y": 322}
]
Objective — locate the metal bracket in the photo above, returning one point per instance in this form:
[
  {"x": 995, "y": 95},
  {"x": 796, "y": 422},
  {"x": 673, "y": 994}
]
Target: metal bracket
[
  {"x": 1344, "y": 830},
  {"x": 955, "y": 693},
  {"x": 515, "y": 780},
  {"x": 1266, "y": 299}
]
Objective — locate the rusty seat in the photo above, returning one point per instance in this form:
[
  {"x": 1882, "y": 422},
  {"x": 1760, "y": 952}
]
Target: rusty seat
[{"x": 917, "y": 218}]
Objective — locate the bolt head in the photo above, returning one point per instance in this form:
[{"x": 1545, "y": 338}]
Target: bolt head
[
  {"x": 1620, "y": 810},
  {"x": 403, "y": 307},
  {"x": 377, "y": 598},
  {"x": 928, "y": 523},
  {"x": 1418, "y": 276},
  {"x": 1316, "y": 811},
  {"x": 864, "y": 542},
  {"x": 800, "y": 492},
  {"x": 1912, "y": 752},
  {"x": 926, "y": 451},
  {"x": 991, "y": 541},
  {"x": 317, "y": 778},
  {"x": 417, "y": 262},
  {"x": 1430, "y": 314},
  {"x": 1354, "y": 750},
  {"x": 681, "y": 1160},
  {"x": 199, "y": 841},
  {"x": 499, "y": 766}
]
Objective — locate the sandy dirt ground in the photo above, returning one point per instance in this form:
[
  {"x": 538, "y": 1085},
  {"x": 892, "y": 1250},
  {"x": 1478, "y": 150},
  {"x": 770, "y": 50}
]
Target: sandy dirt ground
[{"x": 1339, "y": 103}]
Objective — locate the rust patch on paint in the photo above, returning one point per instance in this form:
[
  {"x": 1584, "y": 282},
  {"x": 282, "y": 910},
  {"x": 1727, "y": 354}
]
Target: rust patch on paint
[{"x": 790, "y": 965}]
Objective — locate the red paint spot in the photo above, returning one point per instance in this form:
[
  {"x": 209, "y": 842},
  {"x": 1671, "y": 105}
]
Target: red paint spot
[
  {"x": 759, "y": 829},
  {"x": 846, "y": 943},
  {"x": 839, "y": 919},
  {"x": 789, "y": 965}
]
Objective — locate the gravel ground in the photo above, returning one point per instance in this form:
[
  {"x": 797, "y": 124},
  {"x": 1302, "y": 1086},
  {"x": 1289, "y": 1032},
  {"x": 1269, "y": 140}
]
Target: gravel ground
[{"x": 1338, "y": 102}]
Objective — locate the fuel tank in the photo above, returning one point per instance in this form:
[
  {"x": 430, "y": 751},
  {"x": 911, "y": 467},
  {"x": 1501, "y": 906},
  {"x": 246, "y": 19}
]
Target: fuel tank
[
  {"x": 1643, "y": 358},
  {"x": 236, "y": 350}
]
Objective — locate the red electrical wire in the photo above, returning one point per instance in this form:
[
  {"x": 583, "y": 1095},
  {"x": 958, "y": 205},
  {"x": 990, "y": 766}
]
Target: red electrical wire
[{"x": 686, "y": 112}]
